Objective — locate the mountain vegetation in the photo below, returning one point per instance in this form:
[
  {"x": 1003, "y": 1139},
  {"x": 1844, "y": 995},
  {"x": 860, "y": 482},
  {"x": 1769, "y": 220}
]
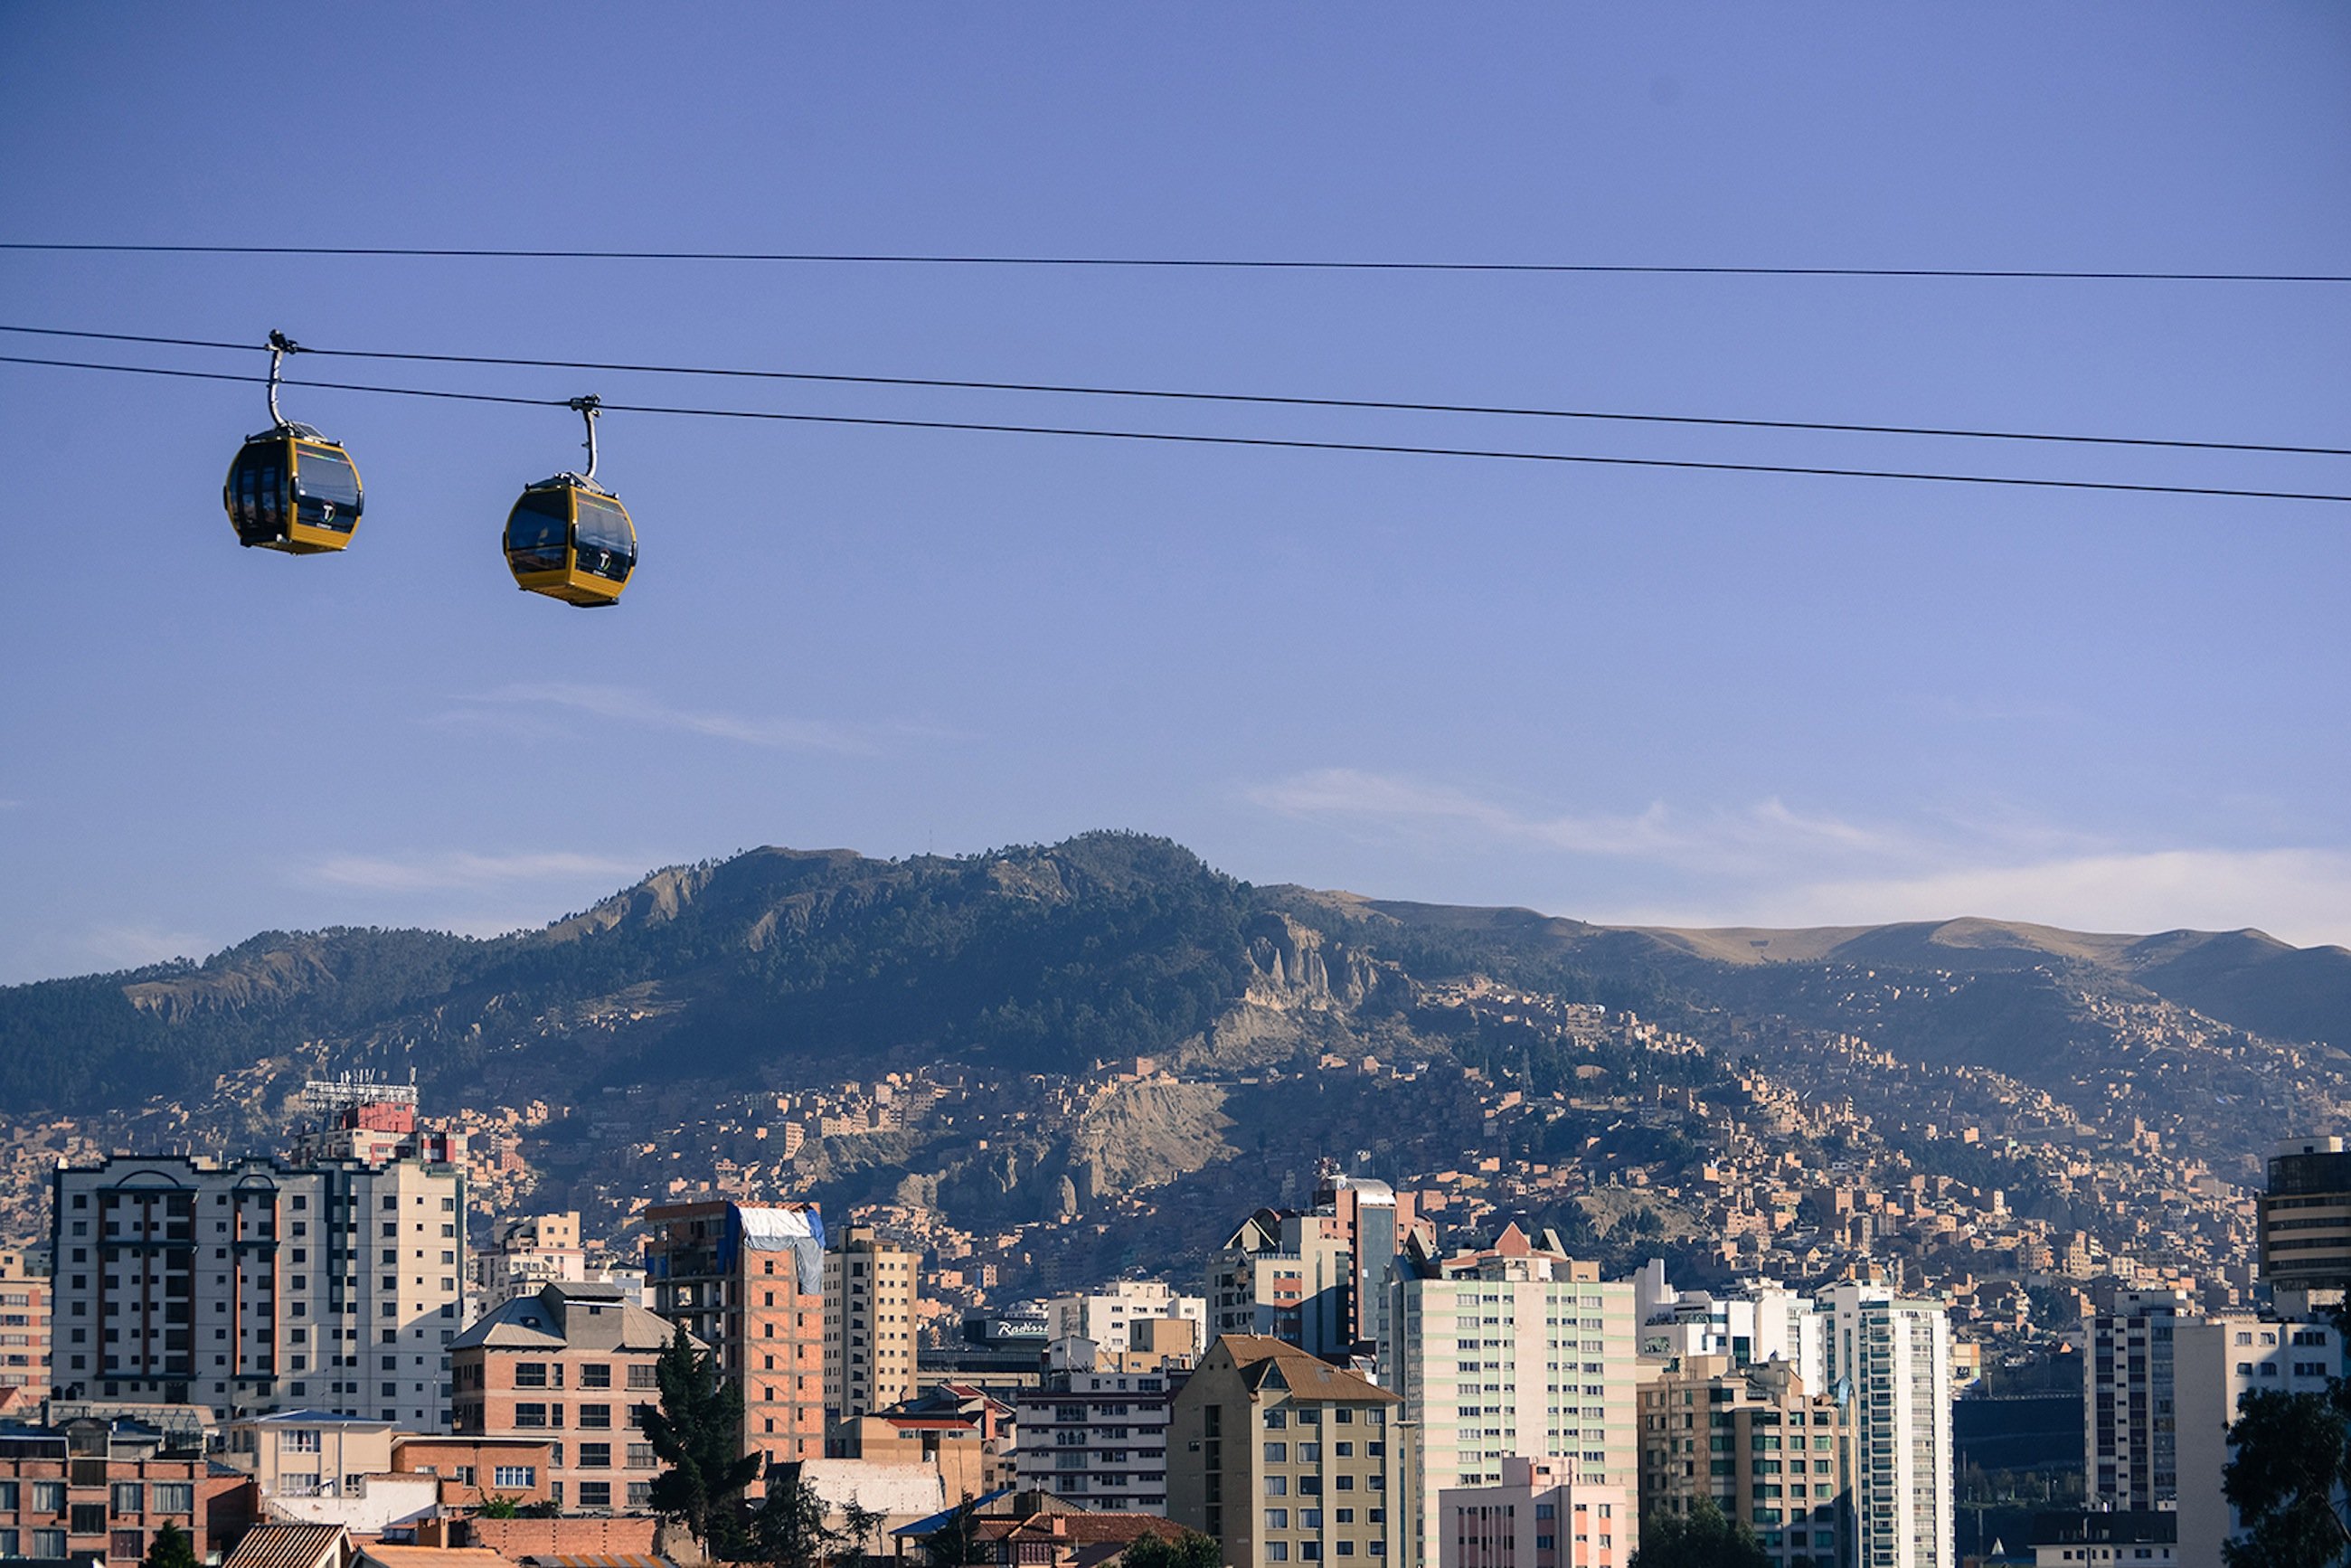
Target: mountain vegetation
[{"x": 777, "y": 970}]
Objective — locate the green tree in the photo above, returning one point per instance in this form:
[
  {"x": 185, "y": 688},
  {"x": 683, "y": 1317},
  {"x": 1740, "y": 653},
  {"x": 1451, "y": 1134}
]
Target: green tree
[
  {"x": 1702, "y": 1537},
  {"x": 788, "y": 1530},
  {"x": 697, "y": 1431},
  {"x": 172, "y": 1549},
  {"x": 858, "y": 1524},
  {"x": 498, "y": 1506},
  {"x": 2293, "y": 1455},
  {"x": 957, "y": 1543},
  {"x": 1190, "y": 1549}
]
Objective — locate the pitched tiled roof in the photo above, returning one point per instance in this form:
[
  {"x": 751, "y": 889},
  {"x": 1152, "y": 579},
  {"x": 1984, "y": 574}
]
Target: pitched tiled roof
[
  {"x": 565, "y": 1315},
  {"x": 291, "y": 1546},
  {"x": 1259, "y": 1356},
  {"x": 1080, "y": 1529}
]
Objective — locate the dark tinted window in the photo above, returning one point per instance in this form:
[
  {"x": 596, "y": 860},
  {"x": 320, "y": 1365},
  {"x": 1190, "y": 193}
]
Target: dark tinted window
[
  {"x": 324, "y": 477},
  {"x": 536, "y": 532},
  {"x": 608, "y": 546},
  {"x": 604, "y": 526}
]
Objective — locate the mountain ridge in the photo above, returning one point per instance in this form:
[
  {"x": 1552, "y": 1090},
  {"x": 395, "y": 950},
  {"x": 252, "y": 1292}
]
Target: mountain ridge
[{"x": 1030, "y": 956}]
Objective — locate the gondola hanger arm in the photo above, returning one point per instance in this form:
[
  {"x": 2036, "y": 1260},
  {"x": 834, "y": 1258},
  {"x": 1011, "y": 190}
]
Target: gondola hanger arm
[
  {"x": 280, "y": 345},
  {"x": 588, "y": 407}
]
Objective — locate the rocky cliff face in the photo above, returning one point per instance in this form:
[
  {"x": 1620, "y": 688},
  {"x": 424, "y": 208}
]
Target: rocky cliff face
[{"x": 1297, "y": 966}]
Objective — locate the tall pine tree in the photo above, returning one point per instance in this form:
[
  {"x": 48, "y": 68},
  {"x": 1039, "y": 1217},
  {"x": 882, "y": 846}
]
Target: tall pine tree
[{"x": 697, "y": 1431}]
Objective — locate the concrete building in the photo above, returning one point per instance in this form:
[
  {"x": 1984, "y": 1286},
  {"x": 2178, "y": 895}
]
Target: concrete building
[
  {"x": 1756, "y": 1321},
  {"x": 1286, "y": 1458},
  {"x": 1540, "y": 1516},
  {"x": 1770, "y": 1452},
  {"x": 2132, "y": 1539},
  {"x": 1316, "y": 1277},
  {"x": 1373, "y": 1220},
  {"x": 2130, "y": 1458},
  {"x": 869, "y": 1288},
  {"x": 260, "y": 1285},
  {"x": 23, "y": 1323},
  {"x": 1288, "y": 1276},
  {"x": 308, "y": 1453},
  {"x": 961, "y": 1432},
  {"x": 1511, "y": 1350},
  {"x": 527, "y": 1253},
  {"x": 1103, "y": 1316},
  {"x": 1154, "y": 1344},
  {"x": 568, "y": 1366},
  {"x": 748, "y": 1281},
  {"x": 2305, "y": 1221},
  {"x": 2216, "y": 1362},
  {"x": 1096, "y": 1438},
  {"x": 1892, "y": 1355}
]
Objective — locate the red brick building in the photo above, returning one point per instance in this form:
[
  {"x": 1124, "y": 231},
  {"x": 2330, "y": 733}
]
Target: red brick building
[
  {"x": 748, "y": 1281},
  {"x": 568, "y": 1367},
  {"x": 92, "y": 1490}
]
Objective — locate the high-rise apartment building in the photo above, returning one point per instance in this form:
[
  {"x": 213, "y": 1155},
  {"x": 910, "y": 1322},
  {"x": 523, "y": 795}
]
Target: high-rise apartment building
[
  {"x": 2129, "y": 1437},
  {"x": 256, "y": 1285},
  {"x": 870, "y": 1290},
  {"x": 1893, "y": 1356},
  {"x": 569, "y": 1365},
  {"x": 1514, "y": 1351},
  {"x": 1315, "y": 1277},
  {"x": 2216, "y": 1362},
  {"x": 1373, "y": 1220},
  {"x": 1770, "y": 1452},
  {"x": 24, "y": 1324},
  {"x": 1104, "y": 1316},
  {"x": 747, "y": 1281},
  {"x": 2305, "y": 1220},
  {"x": 1288, "y": 1276},
  {"x": 1096, "y": 1438},
  {"x": 1284, "y": 1457}
]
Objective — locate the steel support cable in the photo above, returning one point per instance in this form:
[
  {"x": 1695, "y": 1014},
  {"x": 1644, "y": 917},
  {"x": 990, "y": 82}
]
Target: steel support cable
[
  {"x": 1235, "y": 264},
  {"x": 1183, "y": 438},
  {"x": 1259, "y": 399}
]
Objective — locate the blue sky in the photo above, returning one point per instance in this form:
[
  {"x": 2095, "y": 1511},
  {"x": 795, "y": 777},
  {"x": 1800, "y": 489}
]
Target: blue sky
[{"x": 1613, "y": 694}]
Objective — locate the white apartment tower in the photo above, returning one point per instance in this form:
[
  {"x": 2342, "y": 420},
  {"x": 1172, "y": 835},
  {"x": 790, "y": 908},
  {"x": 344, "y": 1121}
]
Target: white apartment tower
[
  {"x": 869, "y": 1323},
  {"x": 1512, "y": 1352},
  {"x": 256, "y": 1285},
  {"x": 2217, "y": 1361},
  {"x": 1891, "y": 1357},
  {"x": 2130, "y": 1441}
]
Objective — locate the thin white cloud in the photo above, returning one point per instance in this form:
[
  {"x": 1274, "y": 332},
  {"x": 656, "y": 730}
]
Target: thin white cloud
[
  {"x": 1768, "y": 864},
  {"x": 445, "y": 871},
  {"x": 1765, "y": 832},
  {"x": 623, "y": 705}
]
